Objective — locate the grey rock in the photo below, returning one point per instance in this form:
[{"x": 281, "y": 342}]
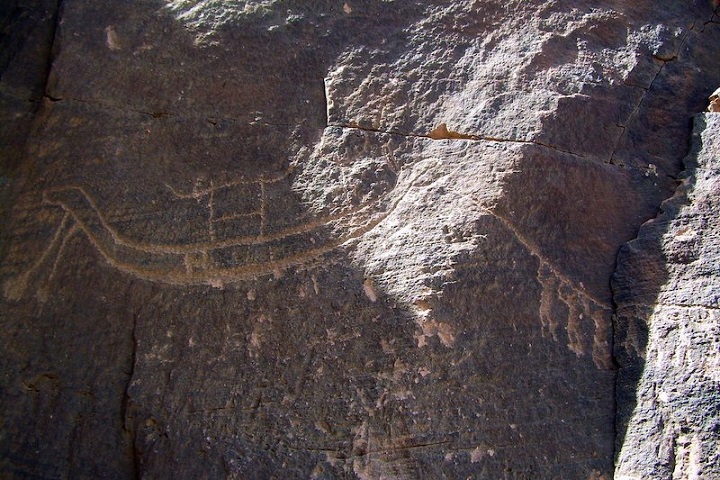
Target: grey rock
[
  {"x": 263, "y": 239},
  {"x": 672, "y": 431}
]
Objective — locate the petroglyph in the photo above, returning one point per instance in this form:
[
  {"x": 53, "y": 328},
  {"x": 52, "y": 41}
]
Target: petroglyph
[
  {"x": 15, "y": 287},
  {"x": 581, "y": 306},
  {"x": 216, "y": 259}
]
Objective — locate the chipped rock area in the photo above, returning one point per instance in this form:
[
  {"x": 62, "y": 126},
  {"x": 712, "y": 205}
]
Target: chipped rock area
[
  {"x": 264, "y": 239},
  {"x": 672, "y": 431}
]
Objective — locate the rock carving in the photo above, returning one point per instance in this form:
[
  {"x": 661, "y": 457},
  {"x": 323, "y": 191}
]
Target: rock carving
[
  {"x": 581, "y": 306},
  {"x": 218, "y": 261}
]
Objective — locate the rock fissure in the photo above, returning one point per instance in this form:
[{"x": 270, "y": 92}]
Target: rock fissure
[
  {"x": 675, "y": 305},
  {"x": 616, "y": 304},
  {"x": 126, "y": 417},
  {"x": 440, "y": 135},
  {"x": 53, "y": 48},
  {"x": 624, "y": 126},
  {"x": 714, "y": 18},
  {"x": 634, "y": 112},
  {"x": 351, "y": 126},
  {"x": 667, "y": 346},
  {"x": 664, "y": 59},
  {"x": 162, "y": 114}
]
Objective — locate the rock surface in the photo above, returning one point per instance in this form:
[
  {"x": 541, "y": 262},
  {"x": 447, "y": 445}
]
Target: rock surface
[
  {"x": 263, "y": 239},
  {"x": 674, "y": 428}
]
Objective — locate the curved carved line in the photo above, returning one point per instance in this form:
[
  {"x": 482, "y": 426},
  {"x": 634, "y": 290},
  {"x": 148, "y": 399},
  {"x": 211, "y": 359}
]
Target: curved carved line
[
  {"x": 534, "y": 250},
  {"x": 216, "y": 276},
  {"x": 199, "y": 247},
  {"x": 577, "y": 300}
]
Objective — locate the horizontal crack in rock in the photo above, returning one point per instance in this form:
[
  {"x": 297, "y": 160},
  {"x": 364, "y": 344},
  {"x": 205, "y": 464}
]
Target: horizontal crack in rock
[
  {"x": 672, "y": 305},
  {"x": 443, "y": 133},
  {"x": 213, "y": 118}
]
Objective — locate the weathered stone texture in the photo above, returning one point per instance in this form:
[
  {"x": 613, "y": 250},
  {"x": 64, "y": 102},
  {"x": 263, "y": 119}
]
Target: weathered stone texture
[
  {"x": 674, "y": 428},
  {"x": 322, "y": 239}
]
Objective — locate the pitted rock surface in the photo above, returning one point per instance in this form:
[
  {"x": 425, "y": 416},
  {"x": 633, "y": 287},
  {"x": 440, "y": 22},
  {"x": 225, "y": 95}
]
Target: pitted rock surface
[
  {"x": 672, "y": 431},
  {"x": 264, "y": 239}
]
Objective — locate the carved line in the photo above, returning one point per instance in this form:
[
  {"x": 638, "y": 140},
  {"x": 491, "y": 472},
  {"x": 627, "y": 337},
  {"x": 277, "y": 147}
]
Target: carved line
[
  {"x": 14, "y": 288},
  {"x": 386, "y": 453},
  {"x": 262, "y": 238},
  {"x": 196, "y": 194},
  {"x": 578, "y": 301},
  {"x": 263, "y": 209},
  {"x": 535, "y": 252},
  {"x": 190, "y": 274},
  {"x": 236, "y": 216},
  {"x": 231, "y": 274},
  {"x": 211, "y": 213},
  {"x": 71, "y": 232}
]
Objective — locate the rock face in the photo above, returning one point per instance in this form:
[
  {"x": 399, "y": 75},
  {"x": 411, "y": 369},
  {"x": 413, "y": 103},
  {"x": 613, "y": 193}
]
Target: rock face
[
  {"x": 264, "y": 239},
  {"x": 673, "y": 428}
]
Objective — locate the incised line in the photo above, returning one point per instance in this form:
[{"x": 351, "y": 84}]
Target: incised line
[
  {"x": 535, "y": 251},
  {"x": 211, "y": 212},
  {"x": 71, "y": 232},
  {"x": 578, "y": 301},
  {"x": 263, "y": 209},
  {"x": 120, "y": 239},
  {"x": 209, "y": 275},
  {"x": 55, "y": 239},
  {"x": 197, "y": 194},
  {"x": 15, "y": 287}
]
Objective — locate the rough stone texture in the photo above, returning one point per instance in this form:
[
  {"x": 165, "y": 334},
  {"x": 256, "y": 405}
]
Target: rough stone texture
[
  {"x": 674, "y": 428},
  {"x": 26, "y": 36},
  {"x": 264, "y": 239}
]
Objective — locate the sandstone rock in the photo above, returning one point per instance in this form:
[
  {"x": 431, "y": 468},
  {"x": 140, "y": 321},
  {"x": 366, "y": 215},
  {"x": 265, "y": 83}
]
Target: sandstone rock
[
  {"x": 338, "y": 239},
  {"x": 673, "y": 427},
  {"x": 714, "y": 102}
]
